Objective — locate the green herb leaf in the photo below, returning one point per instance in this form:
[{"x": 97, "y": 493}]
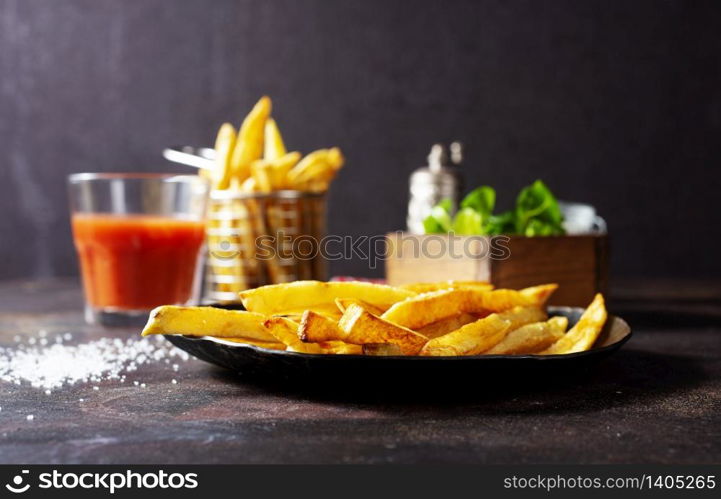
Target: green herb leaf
[
  {"x": 468, "y": 222},
  {"x": 439, "y": 221},
  {"x": 537, "y": 211},
  {"x": 482, "y": 200},
  {"x": 503, "y": 223}
]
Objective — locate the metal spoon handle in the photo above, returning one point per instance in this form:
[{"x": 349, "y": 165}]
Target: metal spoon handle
[{"x": 197, "y": 157}]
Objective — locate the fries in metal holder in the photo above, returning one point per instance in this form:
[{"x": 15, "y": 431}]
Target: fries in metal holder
[{"x": 262, "y": 192}]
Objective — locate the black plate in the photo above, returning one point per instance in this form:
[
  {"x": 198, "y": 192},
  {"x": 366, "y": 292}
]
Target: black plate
[{"x": 256, "y": 361}]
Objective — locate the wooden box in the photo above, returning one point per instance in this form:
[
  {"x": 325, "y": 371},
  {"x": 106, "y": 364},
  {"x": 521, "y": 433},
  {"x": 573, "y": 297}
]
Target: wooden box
[{"x": 579, "y": 264}]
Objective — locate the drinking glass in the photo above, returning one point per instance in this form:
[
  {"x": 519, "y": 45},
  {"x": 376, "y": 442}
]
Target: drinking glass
[{"x": 140, "y": 242}]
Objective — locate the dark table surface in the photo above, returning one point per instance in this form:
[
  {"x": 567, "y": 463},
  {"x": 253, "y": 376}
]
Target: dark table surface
[{"x": 658, "y": 400}]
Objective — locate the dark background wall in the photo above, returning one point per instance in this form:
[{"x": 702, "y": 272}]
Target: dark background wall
[{"x": 616, "y": 103}]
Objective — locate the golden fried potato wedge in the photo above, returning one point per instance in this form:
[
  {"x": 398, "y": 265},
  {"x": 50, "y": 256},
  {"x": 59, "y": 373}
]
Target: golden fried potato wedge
[
  {"x": 531, "y": 338},
  {"x": 471, "y": 339},
  {"x": 340, "y": 348},
  {"x": 316, "y": 328},
  {"x": 224, "y": 145},
  {"x": 363, "y": 327},
  {"x": 381, "y": 349},
  {"x": 520, "y": 316},
  {"x": 320, "y": 165},
  {"x": 500, "y": 300},
  {"x": 286, "y": 332},
  {"x": 427, "y": 287},
  {"x": 448, "y": 325},
  {"x": 279, "y": 169},
  {"x": 270, "y": 345},
  {"x": 260, "y": 172},
  {"x": 582, "y": 336},
  {"x": 298, "y": 296},
  {"x": 539, "y": 295},
  {"x": 249, "y": 144},
  {"x": 426, "y": 308},
  {"x": 207, "y": 321},
  {"x": 421, "y": 310},
  {"x": 343, "y": 303},
  {"x": 274, "y": 147}
]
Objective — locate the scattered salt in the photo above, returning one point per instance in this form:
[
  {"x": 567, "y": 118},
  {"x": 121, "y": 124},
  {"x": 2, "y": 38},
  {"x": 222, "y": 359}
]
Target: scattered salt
[
  {"x": 175, "y": 381},
  {"x": 96, "y": 388},
  {"x": 48, "y": 366},
  {"x": 142, "y": 385},
  {"x": 30, "y": 417}
]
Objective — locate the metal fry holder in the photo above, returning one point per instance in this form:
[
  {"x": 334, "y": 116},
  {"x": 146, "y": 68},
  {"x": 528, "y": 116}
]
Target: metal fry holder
[{"x": 257, "y": 239}]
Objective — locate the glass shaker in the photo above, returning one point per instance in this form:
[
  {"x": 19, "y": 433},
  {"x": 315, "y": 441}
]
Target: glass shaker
[{"x": 430, "y": 184}]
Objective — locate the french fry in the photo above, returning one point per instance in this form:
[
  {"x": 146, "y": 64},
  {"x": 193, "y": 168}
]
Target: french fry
[
  {"x": 500, "y": 300},
  {"x": 207, "y": 321},
  {"x": 279, "y": 168},
  {"x": 260, "y": 172},
  {"x": 303, "y": 295},
  {"x": 381, "y": 349},
  {"x": 447, "y": 325},
  {"x": 583, "y": 335},
  {"x": 224, "y": 145},
  {"x": 427, "y": 287},
  {"x": 343, "y": 303},
  {"x": 321, "y": 164},
  {"x": 341, "y": 348},
  {"x": 249, "y": 144},
  {"x": 315, "y": 328},
  {"x": 421, "y": 310},
  {"x": 539, "y": 295},
  {"x": 249, "y": 185},
  {"x": 308, "y": 162},
  {"x": 286, "y": 332},
  {"x": 274, "y": 147},
  {"x": 531, "y": 338},
  {"x": 426, "y": 308},
  {"x": 362, "y": 327},
  {"x": 471, "y": 339},
  {"x": 520, "y": 316},
  {"x": 270, "y": 345}
]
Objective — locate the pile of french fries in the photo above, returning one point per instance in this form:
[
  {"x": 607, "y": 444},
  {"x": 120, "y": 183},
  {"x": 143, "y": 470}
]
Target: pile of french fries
[
  {"x": 253, "y": 172},
  {"x": 254, "y": 158},
  {"x": 450, "y": 318}
]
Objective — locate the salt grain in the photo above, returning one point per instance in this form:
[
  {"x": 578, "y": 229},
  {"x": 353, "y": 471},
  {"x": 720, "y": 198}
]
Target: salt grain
[{"x": 30, "y": 417}]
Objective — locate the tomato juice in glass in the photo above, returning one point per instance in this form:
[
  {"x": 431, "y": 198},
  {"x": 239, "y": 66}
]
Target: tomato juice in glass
[{"x": 139, "y": 239}]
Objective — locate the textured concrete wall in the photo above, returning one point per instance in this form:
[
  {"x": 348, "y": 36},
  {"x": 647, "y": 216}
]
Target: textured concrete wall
[{"x": 615, "y": 103}]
